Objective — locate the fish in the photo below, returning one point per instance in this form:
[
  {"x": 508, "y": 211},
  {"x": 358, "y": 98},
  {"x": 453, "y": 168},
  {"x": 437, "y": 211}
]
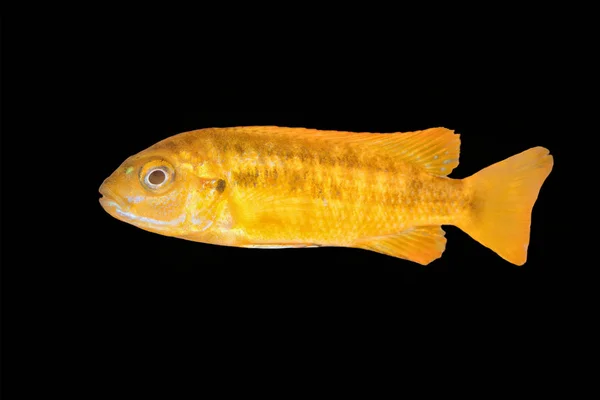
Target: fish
[{"x": 279, "y": 187}]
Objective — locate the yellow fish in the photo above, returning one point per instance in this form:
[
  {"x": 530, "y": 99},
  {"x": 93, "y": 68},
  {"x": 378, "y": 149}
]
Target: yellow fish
[{"x": 274, "y": 187}]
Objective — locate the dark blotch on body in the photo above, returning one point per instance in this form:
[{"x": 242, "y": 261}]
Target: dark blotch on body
[
  {"x": 239, "y": 149},
  {"x": 221, "y": 185}
]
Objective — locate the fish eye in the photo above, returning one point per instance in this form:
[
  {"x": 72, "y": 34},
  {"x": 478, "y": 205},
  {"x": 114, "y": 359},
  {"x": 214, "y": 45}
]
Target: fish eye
[{"x": 156, "y": 177}]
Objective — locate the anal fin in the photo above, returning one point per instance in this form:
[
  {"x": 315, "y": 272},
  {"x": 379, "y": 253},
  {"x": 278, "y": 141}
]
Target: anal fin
[{"x": 422, "y": 244}]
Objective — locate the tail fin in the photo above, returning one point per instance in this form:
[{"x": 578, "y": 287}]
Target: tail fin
[{"x": 503, "y": 197}]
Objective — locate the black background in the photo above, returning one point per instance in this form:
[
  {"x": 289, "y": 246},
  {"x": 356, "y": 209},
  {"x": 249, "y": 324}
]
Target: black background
[{"x": 92, "y": 300}]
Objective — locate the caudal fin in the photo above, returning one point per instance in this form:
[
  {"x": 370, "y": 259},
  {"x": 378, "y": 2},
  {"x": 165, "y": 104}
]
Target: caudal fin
[{"x": 503, "y": 197}]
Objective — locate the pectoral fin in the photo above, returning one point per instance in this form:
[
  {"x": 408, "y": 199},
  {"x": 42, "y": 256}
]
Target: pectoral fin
[
  {"x": 421, "y": 244},
  {"x": 261, "y": 207}
]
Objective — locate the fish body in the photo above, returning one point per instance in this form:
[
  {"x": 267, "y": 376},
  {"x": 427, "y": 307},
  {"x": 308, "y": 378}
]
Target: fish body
[{"x": 273, "y": 187}]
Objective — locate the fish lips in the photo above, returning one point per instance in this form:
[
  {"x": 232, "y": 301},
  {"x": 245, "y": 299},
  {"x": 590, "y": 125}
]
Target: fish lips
[{"x": 109, "y": 201}]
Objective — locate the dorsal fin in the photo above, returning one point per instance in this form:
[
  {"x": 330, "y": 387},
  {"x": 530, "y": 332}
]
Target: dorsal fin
[{"x": 436, "y": 150}]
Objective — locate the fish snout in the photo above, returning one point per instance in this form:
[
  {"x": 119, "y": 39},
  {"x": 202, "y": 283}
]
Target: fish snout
[{"x": 109, "y": 197}]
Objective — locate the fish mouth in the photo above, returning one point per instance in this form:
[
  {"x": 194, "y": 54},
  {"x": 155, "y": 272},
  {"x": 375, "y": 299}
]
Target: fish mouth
[{"x": 108, "y": 199}]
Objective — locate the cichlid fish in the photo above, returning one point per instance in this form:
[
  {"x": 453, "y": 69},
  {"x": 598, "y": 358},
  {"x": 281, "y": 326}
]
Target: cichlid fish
[{"x": 272, "y": 187}]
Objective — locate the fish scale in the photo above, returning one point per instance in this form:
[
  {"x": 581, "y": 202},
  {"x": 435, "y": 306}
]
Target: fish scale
[{"x": 332, "y": 217}]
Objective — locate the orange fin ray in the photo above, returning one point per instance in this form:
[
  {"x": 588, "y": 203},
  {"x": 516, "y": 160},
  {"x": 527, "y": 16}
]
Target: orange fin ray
[
  {"x": 436, "y": 150},
  {"x": 422, "y": 244},
  {"x": 260, "y": 205},
  {"x": 503, "y": 198}
]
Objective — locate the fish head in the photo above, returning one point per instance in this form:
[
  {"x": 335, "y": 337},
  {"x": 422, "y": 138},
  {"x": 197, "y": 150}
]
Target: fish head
[{"x": 159, "y": 192}]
